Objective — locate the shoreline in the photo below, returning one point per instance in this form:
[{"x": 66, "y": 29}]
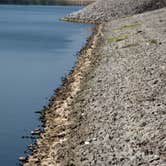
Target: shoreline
[
  {"x": 55, "y": 115},
  {"x": 110, "y": 109},
  {"x": 120, "y": 110}
]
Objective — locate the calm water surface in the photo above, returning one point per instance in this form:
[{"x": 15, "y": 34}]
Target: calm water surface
[{"x": 36, "y": 50}]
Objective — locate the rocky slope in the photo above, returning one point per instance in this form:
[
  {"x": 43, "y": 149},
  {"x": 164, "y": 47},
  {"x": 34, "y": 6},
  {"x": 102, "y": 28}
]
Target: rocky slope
[
  {"x": 121, "y": 107},
  {"x": 112, "y": 109},
  {"x": 106, "y": 10}
]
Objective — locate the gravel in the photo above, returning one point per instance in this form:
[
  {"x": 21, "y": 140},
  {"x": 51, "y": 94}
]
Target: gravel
[
  {"x": 106, "y": 10},
  {"x": 112, "y": 109},
  {"x": 121, "y": 108}
]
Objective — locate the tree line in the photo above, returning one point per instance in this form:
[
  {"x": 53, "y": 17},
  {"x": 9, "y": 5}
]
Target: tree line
[{"x": 37, "y": 2}]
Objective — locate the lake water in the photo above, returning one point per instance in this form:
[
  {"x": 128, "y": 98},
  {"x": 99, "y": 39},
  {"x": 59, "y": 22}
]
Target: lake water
[{"x": 36, "y": 50}]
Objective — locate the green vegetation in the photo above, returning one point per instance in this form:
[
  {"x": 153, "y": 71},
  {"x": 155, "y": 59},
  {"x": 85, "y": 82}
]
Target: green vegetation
[
  {"x": 131, "y": 45},
  {"x": 132, "y": 25},
  {"x": 153, "y": 41},
  {"x": 118, "y": 38}
]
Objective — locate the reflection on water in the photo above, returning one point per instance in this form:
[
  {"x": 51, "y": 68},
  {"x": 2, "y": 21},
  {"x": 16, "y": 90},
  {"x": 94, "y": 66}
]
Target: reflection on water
[{"x": 36, "y": 50}]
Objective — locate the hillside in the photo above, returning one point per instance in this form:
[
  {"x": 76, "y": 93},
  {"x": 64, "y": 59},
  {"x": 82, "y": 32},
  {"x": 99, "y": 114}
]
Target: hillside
[{"x": 107, "y": 10}]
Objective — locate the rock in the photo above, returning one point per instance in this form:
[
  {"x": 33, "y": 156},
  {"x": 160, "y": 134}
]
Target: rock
[
  {"x": 30, "y": 147},
  {"x": 23, "y": 159},
  {"x": 87, "y": 142},
  {"x": 36, "y": 132}
]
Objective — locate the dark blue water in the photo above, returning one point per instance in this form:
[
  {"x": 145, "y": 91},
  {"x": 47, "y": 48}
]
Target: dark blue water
[{"x": 36, "y": 50}]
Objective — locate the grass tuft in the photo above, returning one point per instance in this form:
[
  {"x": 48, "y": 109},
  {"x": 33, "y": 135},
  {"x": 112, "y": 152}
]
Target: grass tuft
[
  {"x": 153, "y": 41},
  {"x": 132, "y": 25},
  {"x": 131, "y": 45},
  {"x": 118, "y": 38}
]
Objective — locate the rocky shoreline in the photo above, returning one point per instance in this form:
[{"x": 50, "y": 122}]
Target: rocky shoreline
[
  {"x": 56, "y": 117},
  {"x": 121, "y": 105},
  {"x": 111, "y": 108}
]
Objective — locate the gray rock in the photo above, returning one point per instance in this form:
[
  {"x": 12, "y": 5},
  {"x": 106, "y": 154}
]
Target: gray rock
[{"x": 22, "y": 158}]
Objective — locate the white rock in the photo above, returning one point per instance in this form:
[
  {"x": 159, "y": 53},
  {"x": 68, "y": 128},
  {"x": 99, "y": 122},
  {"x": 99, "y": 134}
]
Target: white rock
[{"x": 86, "y": 142}]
